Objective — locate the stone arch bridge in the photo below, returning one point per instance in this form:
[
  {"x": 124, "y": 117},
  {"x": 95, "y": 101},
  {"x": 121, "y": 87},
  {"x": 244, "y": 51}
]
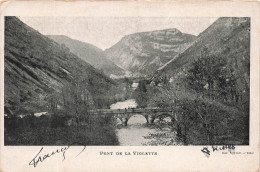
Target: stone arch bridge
[{"x": 124, "y": 115}]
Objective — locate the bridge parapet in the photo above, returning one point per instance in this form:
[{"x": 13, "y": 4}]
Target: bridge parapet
[
  {"x": 125, "y": 114},
  {"x": 130, "y": 110}
]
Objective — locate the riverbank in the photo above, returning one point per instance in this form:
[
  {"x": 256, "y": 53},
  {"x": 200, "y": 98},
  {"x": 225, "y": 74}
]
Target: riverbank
[{"x": 139, "y": 133}]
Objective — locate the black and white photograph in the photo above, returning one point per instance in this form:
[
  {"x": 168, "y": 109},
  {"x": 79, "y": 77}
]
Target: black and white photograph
[{"x": 126, "y": 81}]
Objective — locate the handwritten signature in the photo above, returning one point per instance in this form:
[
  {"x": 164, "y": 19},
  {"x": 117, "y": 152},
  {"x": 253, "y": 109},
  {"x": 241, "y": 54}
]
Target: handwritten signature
[
  {"x": 40, "y": 158},
  {"x": 207, "y": 151}
]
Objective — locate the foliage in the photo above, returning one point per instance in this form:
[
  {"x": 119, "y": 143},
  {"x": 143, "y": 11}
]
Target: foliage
[
  {"x": 213, "y": 77},
  {"x": 141, "y": 94},
  {"x": 52, "y": 130},
  {"x": 203, "y": 122},
  {"x": 206, "y": 102}
]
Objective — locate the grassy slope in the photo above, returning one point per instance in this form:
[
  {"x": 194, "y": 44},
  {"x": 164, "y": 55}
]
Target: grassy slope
[
  {"x": 226, "y": 37},
  {"x": 36, "y": 66},
  {"x": 89, "y": 53}
]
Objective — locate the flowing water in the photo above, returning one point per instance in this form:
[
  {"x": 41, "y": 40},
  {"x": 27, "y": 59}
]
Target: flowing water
[{"x": 138, "y": 133}]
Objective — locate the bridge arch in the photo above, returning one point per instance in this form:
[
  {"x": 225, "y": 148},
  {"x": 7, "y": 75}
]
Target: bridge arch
[
  {"x": 150, "y": 114},
  {"x": 138, "y": 115},
  {"x": 150, "y": 117},
  {"x": 164, "y": 115}
]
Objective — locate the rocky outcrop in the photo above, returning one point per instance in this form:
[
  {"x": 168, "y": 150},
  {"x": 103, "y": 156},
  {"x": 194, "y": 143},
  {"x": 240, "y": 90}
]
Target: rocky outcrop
[{"x": 143, "y": 53}]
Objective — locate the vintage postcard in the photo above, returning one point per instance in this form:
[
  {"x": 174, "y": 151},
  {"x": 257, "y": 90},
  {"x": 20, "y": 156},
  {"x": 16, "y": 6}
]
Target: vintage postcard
[{"x": 130, "y": 86}]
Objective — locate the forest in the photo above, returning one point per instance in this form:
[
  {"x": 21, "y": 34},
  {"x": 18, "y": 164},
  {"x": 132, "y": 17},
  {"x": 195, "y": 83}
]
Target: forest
[{"x": 209, "y": 100}]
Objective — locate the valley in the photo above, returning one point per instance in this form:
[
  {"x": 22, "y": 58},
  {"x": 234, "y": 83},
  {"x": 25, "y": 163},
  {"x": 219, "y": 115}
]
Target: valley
[{"x": 162, "y": 87}]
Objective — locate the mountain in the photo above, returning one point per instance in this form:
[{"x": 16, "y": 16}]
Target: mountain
[
  {"x": 89, "y": 53},
  {"x": 37, "y": 67},
  {"x": 226, "y": 37},
  {"x": 142, "y": 53},
  {"x": 214, "y": 70}
]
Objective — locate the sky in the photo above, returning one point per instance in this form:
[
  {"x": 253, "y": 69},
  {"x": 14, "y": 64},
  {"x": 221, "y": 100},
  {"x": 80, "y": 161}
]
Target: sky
[{"x": 104, "y": 32}]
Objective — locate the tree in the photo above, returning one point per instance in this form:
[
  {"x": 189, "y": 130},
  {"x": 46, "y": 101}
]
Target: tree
[
  {"x": 76, "y": 99},
  {"x": 213, "y": 77},
  {"x": 185, "y": 119},
  {"x": 53, "y": 99},
  {"x": 141, "y": 94}
]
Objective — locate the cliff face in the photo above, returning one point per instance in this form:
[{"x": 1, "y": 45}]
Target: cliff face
[
  {"x": 89, "y": 53},
  {"x": 143, "y": 53},
  {"x": 37, "y": 67}
]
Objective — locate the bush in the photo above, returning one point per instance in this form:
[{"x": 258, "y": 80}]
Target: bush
[{"x": 201, "y": 122}]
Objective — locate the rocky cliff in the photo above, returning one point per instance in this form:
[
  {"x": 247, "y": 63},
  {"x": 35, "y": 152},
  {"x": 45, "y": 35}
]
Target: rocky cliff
[{"x": 143, "y": 53}]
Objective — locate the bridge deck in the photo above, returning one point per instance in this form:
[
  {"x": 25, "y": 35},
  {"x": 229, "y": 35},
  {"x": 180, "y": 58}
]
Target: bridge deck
[{"x": 130, "y": 110}]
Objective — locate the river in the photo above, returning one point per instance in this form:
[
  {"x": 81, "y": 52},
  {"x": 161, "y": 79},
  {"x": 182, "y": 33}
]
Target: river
[{"x": 139, "y": 133}]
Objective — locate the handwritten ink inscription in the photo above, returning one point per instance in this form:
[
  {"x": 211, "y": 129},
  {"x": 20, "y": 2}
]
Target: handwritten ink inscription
[
  {"x": 42, "y": 157},
  {"x": 213, "y": 148}
]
